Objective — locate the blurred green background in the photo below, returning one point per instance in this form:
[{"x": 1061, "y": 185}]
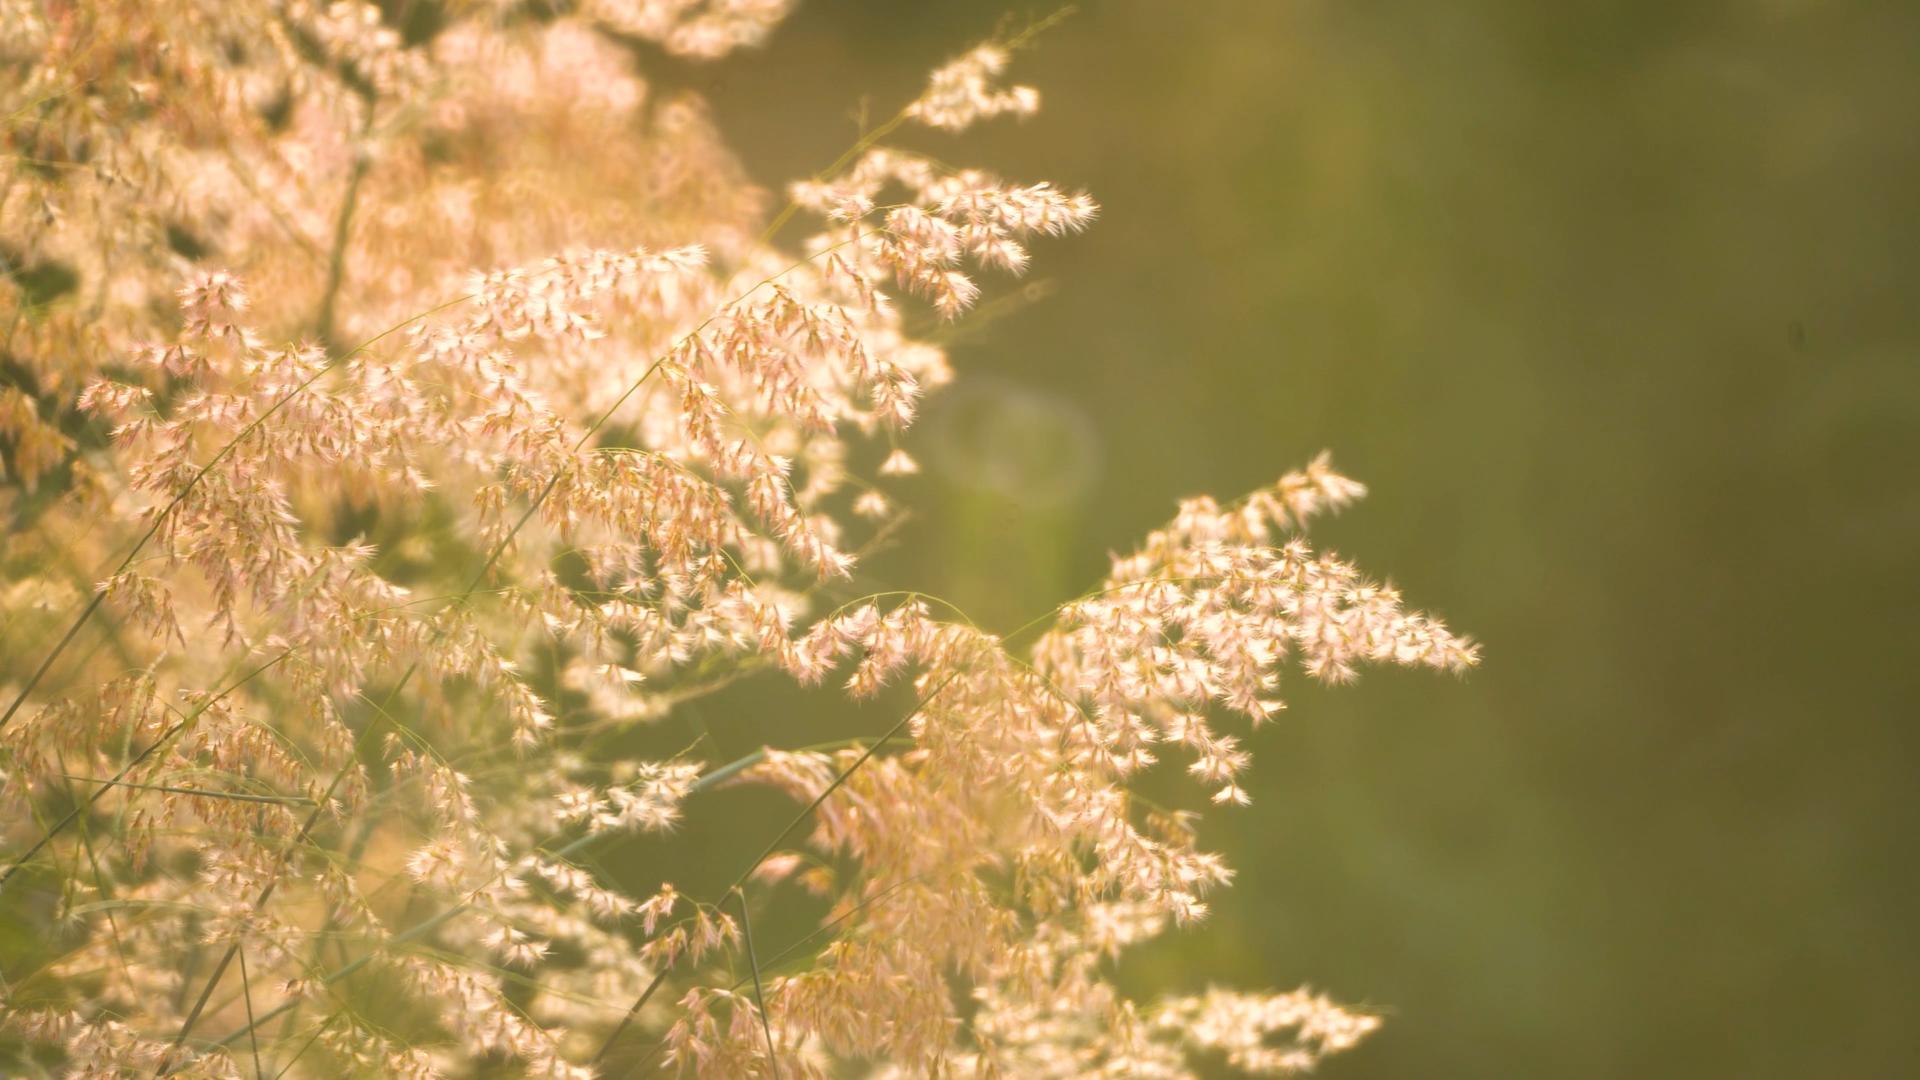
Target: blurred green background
[{"x": 1612, "y": 305}]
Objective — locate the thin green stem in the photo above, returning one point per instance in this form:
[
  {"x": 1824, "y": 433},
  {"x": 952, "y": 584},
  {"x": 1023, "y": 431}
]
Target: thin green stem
[
  {"x": 246, "y": 986},
  {"x": 342, "y": 230},
  {"x": 233, "y": 796},
  {"x": 759, "y": 992},
  {"x": 318, "y": 1030}
]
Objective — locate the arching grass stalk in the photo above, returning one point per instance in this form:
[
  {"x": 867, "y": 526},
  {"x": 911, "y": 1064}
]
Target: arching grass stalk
[
  {"x": 872, "y": 137},
  {"x": 707, "y": 782},
  {"x": 161, "y": 740},
  {"x": 486, "y": 568},
  {"x": 798, "y": 819},
  {"x": 160, "y": 518},
  {"x": 116, "y": 779}
]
